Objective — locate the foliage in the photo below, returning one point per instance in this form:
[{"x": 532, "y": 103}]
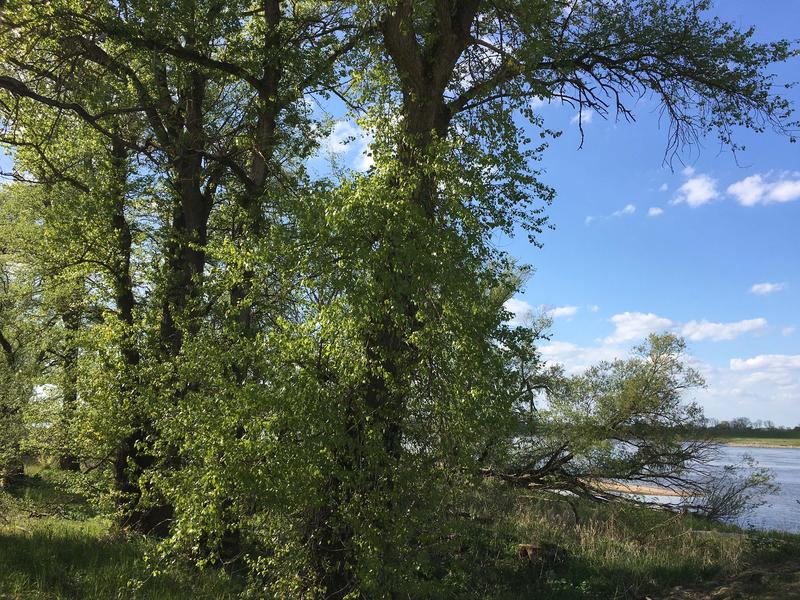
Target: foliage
[
  {"x": 611, "y": 551},
  {"x": 618, "y": 420},
  {"x": 626, "y": 422},
  {"x": 735, "y": 491},
  {"x": 305, "y": 372}
]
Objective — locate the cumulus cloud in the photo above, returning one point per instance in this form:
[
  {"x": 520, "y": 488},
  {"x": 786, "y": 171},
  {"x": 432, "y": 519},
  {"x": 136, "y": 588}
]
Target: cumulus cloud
[
  {"x": 762, "y": 189},
  {"x": 697, "y": 190},
  {"x": 522, "y": 311},
  {"x": 697, "y": 331},
  {"x": 349, "y": 140},
  {"x": 341, "y": 136},
  {"x": 787, "y": 331},
  {"x": 664, "y": 187},
  {"x": 655, "y": 211},
  {"x": 765, "y": 386},
  {"x": 634, "y": 326},
  {"x": 562, "y": 311},
  {"x": 630, "y": 326},
  {"x": 770, "y": 362},
  {"x": 593, "y": 308},
  {"x": 576, "y": 359},
  {"x": 766, "y": 288}
]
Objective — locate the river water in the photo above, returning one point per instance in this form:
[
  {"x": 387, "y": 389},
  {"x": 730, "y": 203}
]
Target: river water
[{"x": 782, "y": 511}]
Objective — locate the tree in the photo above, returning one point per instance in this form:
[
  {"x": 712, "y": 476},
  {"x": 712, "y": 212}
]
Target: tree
[
  {"x": 204, "y": 127},
  {"x": 15, "y": 368},
  {"x": 311, "y": 370},
  {"x": 621, "y": 427},
  {"x": 621, "y": 420}
]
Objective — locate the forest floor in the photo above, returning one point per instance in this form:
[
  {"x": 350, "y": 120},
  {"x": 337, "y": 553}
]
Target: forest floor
[{"x": 53, "y": 546}]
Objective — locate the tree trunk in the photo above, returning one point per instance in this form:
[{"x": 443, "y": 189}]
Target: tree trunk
[{"x": 68, "y": 461}]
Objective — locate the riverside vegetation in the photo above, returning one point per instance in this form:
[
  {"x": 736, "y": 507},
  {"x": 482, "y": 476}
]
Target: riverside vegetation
[
  {"x": 55, "y": 547},
  {"x": 285, "y": 384}
]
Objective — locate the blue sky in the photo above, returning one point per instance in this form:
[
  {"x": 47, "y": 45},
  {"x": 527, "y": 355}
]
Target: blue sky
[{"x": 639, "y": 247}]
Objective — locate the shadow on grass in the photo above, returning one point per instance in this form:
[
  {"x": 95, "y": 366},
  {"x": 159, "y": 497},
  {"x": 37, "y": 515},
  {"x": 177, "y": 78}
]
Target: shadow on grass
[
  {"x": 53, "y": 547},
  {"x": 61, "y": 560}
]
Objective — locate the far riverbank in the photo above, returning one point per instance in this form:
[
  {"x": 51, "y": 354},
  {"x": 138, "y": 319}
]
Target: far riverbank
[{"x": 760, "y": 442}]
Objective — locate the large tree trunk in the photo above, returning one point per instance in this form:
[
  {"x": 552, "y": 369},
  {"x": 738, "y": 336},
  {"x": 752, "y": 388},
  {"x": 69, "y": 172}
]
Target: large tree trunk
[
  {"x": 181, "y": 310},
  {"x": 424, "y": 74},
  {"x": 129, "y": 461}
]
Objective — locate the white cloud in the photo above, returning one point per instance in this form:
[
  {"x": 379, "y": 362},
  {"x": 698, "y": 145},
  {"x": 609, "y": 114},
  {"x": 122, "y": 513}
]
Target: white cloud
[
  {"x": 697, "y": 190},
  {"x": 655, "y": 211},
  {"x": 629, "y": 326},
  {"x": 764, "y": 387},
  {"x": 664, "y": 187},
  {"x": 766, "y": 288},
  {"x": 787, "y": 331},
  {"x": 635, "y": 325},
  {"x": 521, "y": 310},
  {"x": 364, "y": 160},
  {"x": 770, "y": 362},
  {"x": 706, "y": 330},
  {"x": 785, "y": 191},
  {"x": 629, "y": 209},
  {"x": 749, "y": 190},
  {"x": 348, "y": 139},
  {"x": 593, "y": 308},
  {"x": 576, "y": 359},
  {"x": 341, "y": 136},
  {"x": 584, "y": 117},
  {"x": 758, "y": 189},
  {"x": 562, "y": 311}
]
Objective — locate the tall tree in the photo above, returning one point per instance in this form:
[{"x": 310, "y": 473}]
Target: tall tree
[{"x": 319, "y": 364}]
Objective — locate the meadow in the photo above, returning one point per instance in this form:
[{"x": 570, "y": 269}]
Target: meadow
[{"x": 769, "y": 438}]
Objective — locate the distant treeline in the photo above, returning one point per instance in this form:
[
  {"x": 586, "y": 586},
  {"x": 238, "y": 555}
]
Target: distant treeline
[{"x": 744, "y": 427}]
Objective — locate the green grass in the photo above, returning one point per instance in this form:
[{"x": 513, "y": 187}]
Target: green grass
[
  {"x": 75, "y": 555},
  {"x": 612, "y": 552},
  {"x": 767, "y": 438},
  {"x": 52, "y": 546}
]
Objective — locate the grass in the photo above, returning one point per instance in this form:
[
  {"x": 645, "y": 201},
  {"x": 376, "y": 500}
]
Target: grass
[
  {"x": 52, "y": 546},
  {"x": 618, "y": 552}
]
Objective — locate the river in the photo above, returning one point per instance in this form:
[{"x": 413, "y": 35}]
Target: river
[{"x": 782, "y": 511}]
